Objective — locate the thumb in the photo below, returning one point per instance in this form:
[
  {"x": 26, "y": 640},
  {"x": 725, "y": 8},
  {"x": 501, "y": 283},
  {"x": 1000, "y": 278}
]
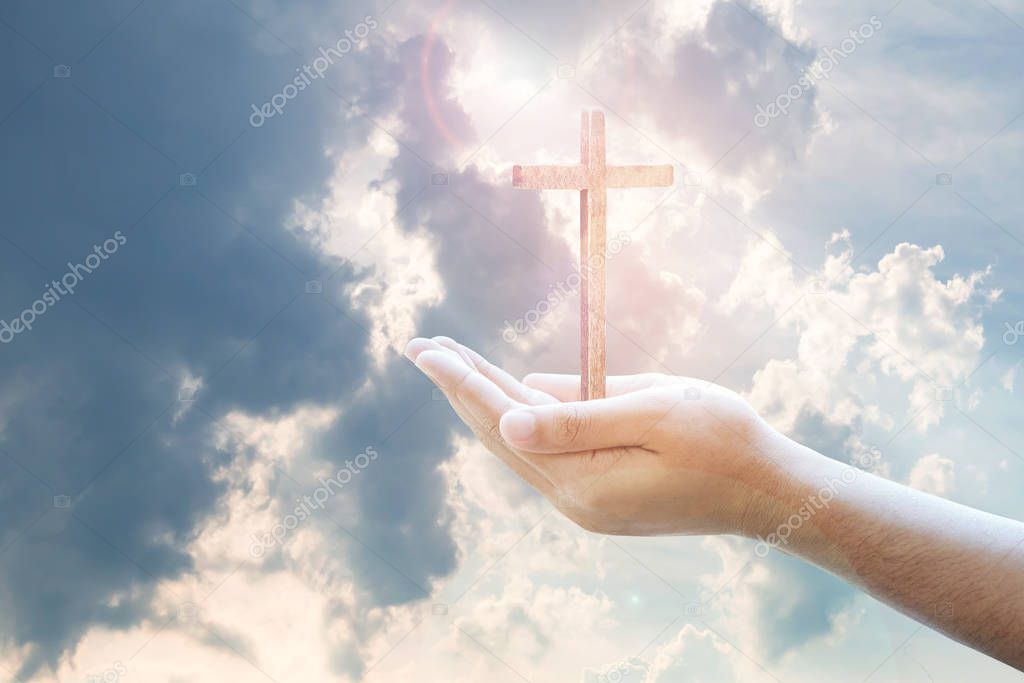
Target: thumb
[{"x": 580, "y": 426}]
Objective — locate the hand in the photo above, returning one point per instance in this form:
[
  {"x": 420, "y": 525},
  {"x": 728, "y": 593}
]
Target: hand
[
  {"x": 675, "y": 455},
  {"x": 660, "y": 455}
]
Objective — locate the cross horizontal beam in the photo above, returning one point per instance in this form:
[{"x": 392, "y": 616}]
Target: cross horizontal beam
[
  {"x": 578, "y": 178},
  {"x": 639, "y": 176},
  {"x": 549, "y": 177}
]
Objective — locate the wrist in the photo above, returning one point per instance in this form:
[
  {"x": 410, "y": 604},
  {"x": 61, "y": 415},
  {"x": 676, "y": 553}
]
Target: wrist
[{"x": 791, "y": 490}]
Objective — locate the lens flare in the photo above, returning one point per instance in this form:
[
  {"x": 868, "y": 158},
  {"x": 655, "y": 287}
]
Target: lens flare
[{"x": 429, "y": 97}]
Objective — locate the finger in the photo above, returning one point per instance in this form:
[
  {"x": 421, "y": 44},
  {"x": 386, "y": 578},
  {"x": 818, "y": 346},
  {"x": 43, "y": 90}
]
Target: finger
[
  {"x": 617, "y": 422},
  {"x": 491, "y": 438},
  {"x": 417, "y": 346},
  {"x": 480, "y": 404},
  {"x": 447, "y": 375},
  {"x": 449, "y": 343},
  {"x": 567, "y": 387},
  {"x": 456, "y": 364},
  {"x": 481, "y": 396},
  {"x": 509, "y": 384},
  {"x": 492, "y": 441}
]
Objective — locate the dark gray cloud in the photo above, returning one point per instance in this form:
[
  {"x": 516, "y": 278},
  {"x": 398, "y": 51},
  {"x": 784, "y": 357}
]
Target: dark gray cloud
[
  {"x": 210, "y": 284},
  {"x": 800, "y": 604},
  {"x": 207, "y": 283}
]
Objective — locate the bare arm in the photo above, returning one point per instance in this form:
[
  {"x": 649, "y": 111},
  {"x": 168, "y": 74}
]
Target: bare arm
[
  {"x": 952, "y": 567},
  {"x": 668, "y": 455}
]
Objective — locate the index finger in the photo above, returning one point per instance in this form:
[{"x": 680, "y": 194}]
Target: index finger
[
  {"x": 480, "y": 404},
  {"x": 506, "y": 382},
  {"x": 481, "y": 397}
]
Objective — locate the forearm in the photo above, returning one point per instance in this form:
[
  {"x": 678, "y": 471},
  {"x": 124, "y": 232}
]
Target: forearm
[
  {"x": 954, "y": 568},
  {"x": 652, "y": 459}
]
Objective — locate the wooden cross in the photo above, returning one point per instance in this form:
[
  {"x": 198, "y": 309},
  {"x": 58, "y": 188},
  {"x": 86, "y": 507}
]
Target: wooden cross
[{"x": 592, "y": 178}]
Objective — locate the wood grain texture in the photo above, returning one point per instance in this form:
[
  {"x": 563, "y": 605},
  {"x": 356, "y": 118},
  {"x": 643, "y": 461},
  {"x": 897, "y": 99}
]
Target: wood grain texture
[
  {"x": 592, "y": 178},
  {"x": 640, "y": 176},
  {"x": 592, "y": 263},
  {"x": 585, "y": 349},
  {"x": 549, "y": 177}
]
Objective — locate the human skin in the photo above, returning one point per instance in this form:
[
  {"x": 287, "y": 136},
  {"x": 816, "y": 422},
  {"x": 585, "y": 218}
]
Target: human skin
[{"x": 673, "y": 455}]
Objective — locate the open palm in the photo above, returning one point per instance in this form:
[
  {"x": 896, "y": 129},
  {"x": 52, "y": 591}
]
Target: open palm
[{"x": 660, "y": 455}]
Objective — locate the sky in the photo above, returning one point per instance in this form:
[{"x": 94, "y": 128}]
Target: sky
[{"x": 225, "y": 218}]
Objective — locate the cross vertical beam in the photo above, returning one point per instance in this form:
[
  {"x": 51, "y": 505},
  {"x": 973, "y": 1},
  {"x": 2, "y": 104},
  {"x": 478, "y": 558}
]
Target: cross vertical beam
[
  {"x": 593, "y": 240},
  {"x": 584, "y": 250}
]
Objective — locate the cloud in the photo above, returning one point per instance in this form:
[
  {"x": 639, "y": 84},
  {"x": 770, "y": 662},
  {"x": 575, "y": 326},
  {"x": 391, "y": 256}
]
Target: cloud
[
  {"x": 933, "y": 474},
  {"x": 222, "y": 269},
  {"x": 209, "y": 293},
  {"x": 208, "y": 287},
  {"x": 699, "y": 655},
  {"x": 775, "y": 606},
  {"x": 526, "y": 619},
  {"x": 793, "y": 603},
  {"x": 900, "y": 321},
  {"x": 729, "y": 61}
]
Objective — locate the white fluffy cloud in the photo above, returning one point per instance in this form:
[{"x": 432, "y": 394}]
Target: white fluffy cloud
[
  {"x": 695, "y": 655},
  {"x": 933, "y": 474},
  {"x": 898, "y": 322}
]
